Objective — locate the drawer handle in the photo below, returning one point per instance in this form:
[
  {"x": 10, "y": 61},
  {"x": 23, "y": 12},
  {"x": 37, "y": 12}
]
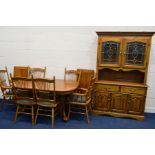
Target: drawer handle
[
  {"x": 131, "y": 90},
  {"x": 105, "y": 89}
]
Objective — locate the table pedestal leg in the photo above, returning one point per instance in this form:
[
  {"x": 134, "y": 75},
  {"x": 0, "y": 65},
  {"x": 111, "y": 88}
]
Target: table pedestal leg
[{"x": 65, "y": 107}]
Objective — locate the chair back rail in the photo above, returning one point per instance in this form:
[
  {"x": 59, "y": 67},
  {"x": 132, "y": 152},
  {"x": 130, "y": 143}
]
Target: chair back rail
[
  {"x": 42, "y": 89},
  {"x": 37, "y": 72},
  {"x": 72, "y": 75},
  {"x": 23, "y": 88}
]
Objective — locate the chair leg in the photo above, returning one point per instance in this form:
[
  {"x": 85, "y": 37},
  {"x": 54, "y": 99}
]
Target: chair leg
[
  {"x": 87, "y": 116},
  {"x": 16, "y": 113},
  {"x": 37, "y": 114},
  {"x": 1, "y": 106},
  {"x": 69, "y": 108},
  {"x": 33, "y": 122},
  {"x": 90, "y": 108},
  {"x": 52, "y": 117}
]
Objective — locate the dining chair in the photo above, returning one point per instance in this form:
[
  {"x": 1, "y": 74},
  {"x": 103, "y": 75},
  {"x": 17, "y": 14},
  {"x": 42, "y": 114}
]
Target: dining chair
[
  {"x": 72, "y": 75},
  {"x": 46, "y": 99},
  {"x": 37, "y": 72},
  {"x": 24, "y": 96},
  {"x": 81, "y": 99}
]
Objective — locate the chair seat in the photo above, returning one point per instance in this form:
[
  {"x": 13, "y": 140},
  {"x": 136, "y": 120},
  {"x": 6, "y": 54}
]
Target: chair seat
[
  {"x": 78, "y": 103},
  {"x": 6, "y": 87},
  {"x": 9, "y": 92},
  {"x": 46, "y": 104},
  {"x": 26, "y": 102}
]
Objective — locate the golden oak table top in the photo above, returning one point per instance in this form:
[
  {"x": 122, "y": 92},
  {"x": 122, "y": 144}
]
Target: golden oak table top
[
  {"x": 61, "y": 86},
  {"x": 65, "y": 85}
]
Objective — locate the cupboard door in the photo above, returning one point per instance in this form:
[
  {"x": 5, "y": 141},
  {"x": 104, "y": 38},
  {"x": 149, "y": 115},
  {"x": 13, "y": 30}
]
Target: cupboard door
[
  {"x": 136, "y": 52},
  {"x": 136, "y": 104},
  {"x": 118, "y": 103},
  {"x": 109, "y": 51},
  {"x": 102, "y": 101}
]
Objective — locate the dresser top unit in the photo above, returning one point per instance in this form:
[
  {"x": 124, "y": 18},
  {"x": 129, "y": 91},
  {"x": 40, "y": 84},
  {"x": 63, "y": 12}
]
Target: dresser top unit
[{"x": 119, "y": 33}]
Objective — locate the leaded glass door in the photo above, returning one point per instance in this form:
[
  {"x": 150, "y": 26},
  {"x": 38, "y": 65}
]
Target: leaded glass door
[
  {"x": 110, "y": 51},
  {"x": 135, "y": 53}
]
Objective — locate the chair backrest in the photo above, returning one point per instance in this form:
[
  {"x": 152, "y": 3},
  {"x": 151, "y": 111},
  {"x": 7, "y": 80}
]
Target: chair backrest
[
  {"x": 23, "y": 88},
  {"x": 21, "y": 71},
  {"x": 91, "y": 87},
  {"x": 4, "y": 78},
  {"x": 37, "y": 72},
  {"x": 72, "y": 75},
  {"x": 85, "y": 78},
  {"x": 43, "y": 89}
]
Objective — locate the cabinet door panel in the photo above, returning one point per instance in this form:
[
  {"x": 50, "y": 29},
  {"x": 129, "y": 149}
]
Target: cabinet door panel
[
  {"x": 101, "y": 101},
  {"x": 110, "y": 51},
  {"x": 136, "y": 104},
  {"x": 118, "y": 103},
  {"x": 135, "y": 52}
]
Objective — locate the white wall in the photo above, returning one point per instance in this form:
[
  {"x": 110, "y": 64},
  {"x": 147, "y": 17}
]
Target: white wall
[{"x": 59, "y": 47}]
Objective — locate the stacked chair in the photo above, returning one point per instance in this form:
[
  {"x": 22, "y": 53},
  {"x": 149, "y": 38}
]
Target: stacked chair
[{"x": 5, "y": 84}]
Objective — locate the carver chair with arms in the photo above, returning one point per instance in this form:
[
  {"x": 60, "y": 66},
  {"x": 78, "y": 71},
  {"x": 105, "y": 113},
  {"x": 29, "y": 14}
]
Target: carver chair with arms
[{"x": 81, "y": 99}]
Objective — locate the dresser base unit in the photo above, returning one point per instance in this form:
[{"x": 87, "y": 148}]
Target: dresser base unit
[{"x": 120, "y": 99}]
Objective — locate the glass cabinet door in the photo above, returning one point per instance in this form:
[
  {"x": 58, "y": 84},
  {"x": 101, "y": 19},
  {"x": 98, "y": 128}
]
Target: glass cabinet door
[
  {"x": 135, "y": 53},
  {"x": 110, "y": 50}
]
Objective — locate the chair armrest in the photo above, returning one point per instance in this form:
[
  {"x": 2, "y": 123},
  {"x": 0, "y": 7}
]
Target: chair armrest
[
  {"x": 6, "y": 87},
  {"x": 78, "y": 94},
  {"x": 81, "y": 90}
]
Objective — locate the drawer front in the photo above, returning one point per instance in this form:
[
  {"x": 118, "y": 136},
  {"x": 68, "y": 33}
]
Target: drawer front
[
  {"x": 107, "y": 88},
  {"x": 133, "y": 90}
]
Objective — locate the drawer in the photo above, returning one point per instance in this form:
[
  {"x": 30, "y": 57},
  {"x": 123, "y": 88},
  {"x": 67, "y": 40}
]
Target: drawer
[
  {"x": 133, "y": 90},
  {"x": 107, "y": 88}
]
